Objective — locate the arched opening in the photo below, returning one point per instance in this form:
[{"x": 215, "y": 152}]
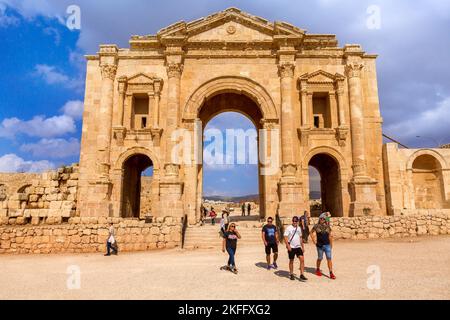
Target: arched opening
[
  {"x": 231, "y": 168},
  {"x": 136, "y": 186},
  {"x": 328, "y": 171},
  {"x": 428, "y": 183}
]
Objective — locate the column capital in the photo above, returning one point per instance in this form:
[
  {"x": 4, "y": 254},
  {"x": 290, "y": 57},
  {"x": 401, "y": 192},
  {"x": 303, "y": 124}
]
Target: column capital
[
  {"x": 122, "y": 84},
  {"x": 353, "y": 69},
  {"x": 108, "y": 71},
  {"x": 174, "y": 70},
  {"x": 286, "y": 69}
]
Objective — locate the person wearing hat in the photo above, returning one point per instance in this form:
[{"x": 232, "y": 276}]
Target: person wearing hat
[
  {"x": 321, "y": 237},
  {"x": 295, "y": 247}
]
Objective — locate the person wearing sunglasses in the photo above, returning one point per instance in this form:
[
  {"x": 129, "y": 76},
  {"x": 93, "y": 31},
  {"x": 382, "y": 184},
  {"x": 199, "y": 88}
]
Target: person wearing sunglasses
[
  {"x": 270, "y": 239},
  {"x": 294, "y": 244},
  {"x": 321, "y": 237},
  {"x": 230, "y": 239}
]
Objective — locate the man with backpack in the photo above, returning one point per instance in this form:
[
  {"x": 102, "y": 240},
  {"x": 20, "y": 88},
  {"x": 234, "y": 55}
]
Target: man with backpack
[{"x": 295, "y": 247}]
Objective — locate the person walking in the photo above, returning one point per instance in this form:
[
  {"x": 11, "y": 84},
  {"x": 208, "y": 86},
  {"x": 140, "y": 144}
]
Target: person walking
[
  {"x": 270, "y": 240},
  {"x": 213, "y": 216},
  {"x": 294, "y": 244},
  {"x": 321, "y": 237},
  {"x": 304, "y": 223},
  {"x": 249, "y": 207},
  {"x": 111, "y": 242},
  {"x": 229, "y": 245},
  {"x": 243, "y": 209}
]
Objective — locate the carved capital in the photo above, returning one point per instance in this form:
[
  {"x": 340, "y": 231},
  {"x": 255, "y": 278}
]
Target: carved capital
[
  {"x": 353, "y": 69},
  {"x": 288, "y": 169},
  {"x": 156, "y": 136},
  {"x": 172, "y": 169},
  {"x": 174, "y": 70},
  {"x": 108, "y": 71},
  {"x": 122, "y": 84},
  {"x": 286, "y": 70}
]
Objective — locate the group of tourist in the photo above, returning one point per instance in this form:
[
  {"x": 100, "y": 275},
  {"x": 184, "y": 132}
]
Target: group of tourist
[{"x": 295, "y": 236}]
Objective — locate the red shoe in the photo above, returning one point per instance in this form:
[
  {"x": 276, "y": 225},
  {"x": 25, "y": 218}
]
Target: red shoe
[
  {"x": 332, "y": 276},
  {"x": 318, "y": 273}
]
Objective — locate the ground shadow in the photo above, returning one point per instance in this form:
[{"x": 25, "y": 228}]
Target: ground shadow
[
  {"x": 282, "y": 274},
  {"x": 262, "y": 265}
]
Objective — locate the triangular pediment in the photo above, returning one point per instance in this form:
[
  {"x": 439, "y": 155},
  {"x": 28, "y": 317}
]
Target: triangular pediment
[
  {"x": 230, "y": 25},
  {"x": 321, "y": 76},
  {"x": 140, "y": 78}
]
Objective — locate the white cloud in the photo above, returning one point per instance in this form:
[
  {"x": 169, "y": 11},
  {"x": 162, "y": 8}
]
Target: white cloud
[
  {"x": 53, "y": 148},
  {"x": 52, "y": 76},
  {"x": 74, "y": 109},
  {"x": 5, "y": 19},
  {"x": 39, "y": 126},
  {"x": 13, "y": 163}
]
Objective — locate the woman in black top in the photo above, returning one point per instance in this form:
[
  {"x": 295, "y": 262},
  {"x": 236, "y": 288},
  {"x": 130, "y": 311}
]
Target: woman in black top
[{"x": 230, "y": 239}]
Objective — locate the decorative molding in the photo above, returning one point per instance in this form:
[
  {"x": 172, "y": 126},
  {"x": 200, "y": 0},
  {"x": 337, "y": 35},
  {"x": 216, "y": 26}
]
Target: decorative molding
[
  {"x": 341, "y": 135},
  {"x": 119, "y": 133},
  {"x": 288, "y": 169}
]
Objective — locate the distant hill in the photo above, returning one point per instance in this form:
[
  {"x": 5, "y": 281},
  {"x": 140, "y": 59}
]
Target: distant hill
[
  {"x": 314, "y": 195},
  {"x": 247, "y": 198}
]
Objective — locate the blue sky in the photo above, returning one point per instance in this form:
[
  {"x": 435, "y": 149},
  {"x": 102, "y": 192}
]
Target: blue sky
[{"x": 42, "y": 67}]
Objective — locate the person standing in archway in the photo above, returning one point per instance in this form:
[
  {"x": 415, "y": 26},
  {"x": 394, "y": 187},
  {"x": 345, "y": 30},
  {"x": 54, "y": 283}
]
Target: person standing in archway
[
  {"x": 321, "y": 237},
  {"x": 249, "y": 207},
  {"x": 294, "y": 244},
  {"x": 270, "y": 240}
]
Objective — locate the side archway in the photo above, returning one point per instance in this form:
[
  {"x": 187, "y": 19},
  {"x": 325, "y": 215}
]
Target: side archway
[{"x": 330, "y": 165}]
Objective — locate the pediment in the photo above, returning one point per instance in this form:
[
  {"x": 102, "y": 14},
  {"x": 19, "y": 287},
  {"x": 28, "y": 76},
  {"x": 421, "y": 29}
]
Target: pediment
[
  {"x": 321, "y": 76},
  {"x": 230, "y": 25},
  {"x": 140, "y": 78}
]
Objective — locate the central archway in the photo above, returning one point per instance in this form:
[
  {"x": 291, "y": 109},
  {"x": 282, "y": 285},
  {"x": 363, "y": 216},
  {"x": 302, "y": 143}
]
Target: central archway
[{"x": 237, "y": 94}]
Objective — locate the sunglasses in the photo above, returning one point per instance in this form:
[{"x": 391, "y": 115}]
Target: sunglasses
[{"x": 232, "y": 226}]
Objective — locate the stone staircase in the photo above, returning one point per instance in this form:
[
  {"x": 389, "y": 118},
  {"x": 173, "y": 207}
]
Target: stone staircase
[{"x": 207, "y": 236}]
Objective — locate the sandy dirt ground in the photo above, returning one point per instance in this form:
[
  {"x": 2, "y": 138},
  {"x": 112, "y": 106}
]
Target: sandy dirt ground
[{"x": 416, "y": 268}]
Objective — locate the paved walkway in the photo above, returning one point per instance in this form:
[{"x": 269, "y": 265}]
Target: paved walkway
[{"x": 416, "y": 268}]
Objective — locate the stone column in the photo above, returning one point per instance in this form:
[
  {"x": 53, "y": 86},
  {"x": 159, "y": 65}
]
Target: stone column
[
  {"x": 333, "y": 109},
  {"x": 304, "y": 103},
  {"x": 171, "y": 187},
  {"x": 363, "y": 187},
  {"x": 289, "y": 185},
  {"x": 356, "y": 118},
  {"x": 174, "y": 71},
  {"x": 108, "y": 71},
  {"x": 151, "y": 106},
  {"x": 157, "y": 90},
  {"x": 120, "y": 109},
  {"x": 288, "y": 167},
  {"x": 340, "y": 102}
]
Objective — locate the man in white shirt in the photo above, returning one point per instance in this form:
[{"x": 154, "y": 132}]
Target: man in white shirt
[{"x": 295, "y": 247}]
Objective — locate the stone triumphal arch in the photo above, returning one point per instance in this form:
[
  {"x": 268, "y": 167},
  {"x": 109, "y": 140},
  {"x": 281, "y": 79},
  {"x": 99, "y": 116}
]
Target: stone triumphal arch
[{"x": 320, "y": 98}]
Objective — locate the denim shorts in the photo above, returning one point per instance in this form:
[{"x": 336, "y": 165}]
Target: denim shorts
[{"x": 321, "y": 249}]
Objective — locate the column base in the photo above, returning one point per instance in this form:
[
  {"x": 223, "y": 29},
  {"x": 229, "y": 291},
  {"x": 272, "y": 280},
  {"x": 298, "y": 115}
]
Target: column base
[
  {"x": 98, "y": 202},
  {"x": 171, "y": 190},
  {"x": 364, "y": 197},
  {"x": 291, "y": 195}
]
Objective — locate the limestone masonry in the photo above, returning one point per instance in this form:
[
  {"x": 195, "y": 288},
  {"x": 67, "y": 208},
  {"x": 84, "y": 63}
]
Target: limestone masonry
[{"x": 320, "y": 100}]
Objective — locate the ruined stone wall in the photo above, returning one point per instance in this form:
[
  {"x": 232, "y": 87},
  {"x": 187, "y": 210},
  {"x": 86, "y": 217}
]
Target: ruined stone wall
[
  {"x": 89, "y": 235},
  {"x": 51, "y": 195}
]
